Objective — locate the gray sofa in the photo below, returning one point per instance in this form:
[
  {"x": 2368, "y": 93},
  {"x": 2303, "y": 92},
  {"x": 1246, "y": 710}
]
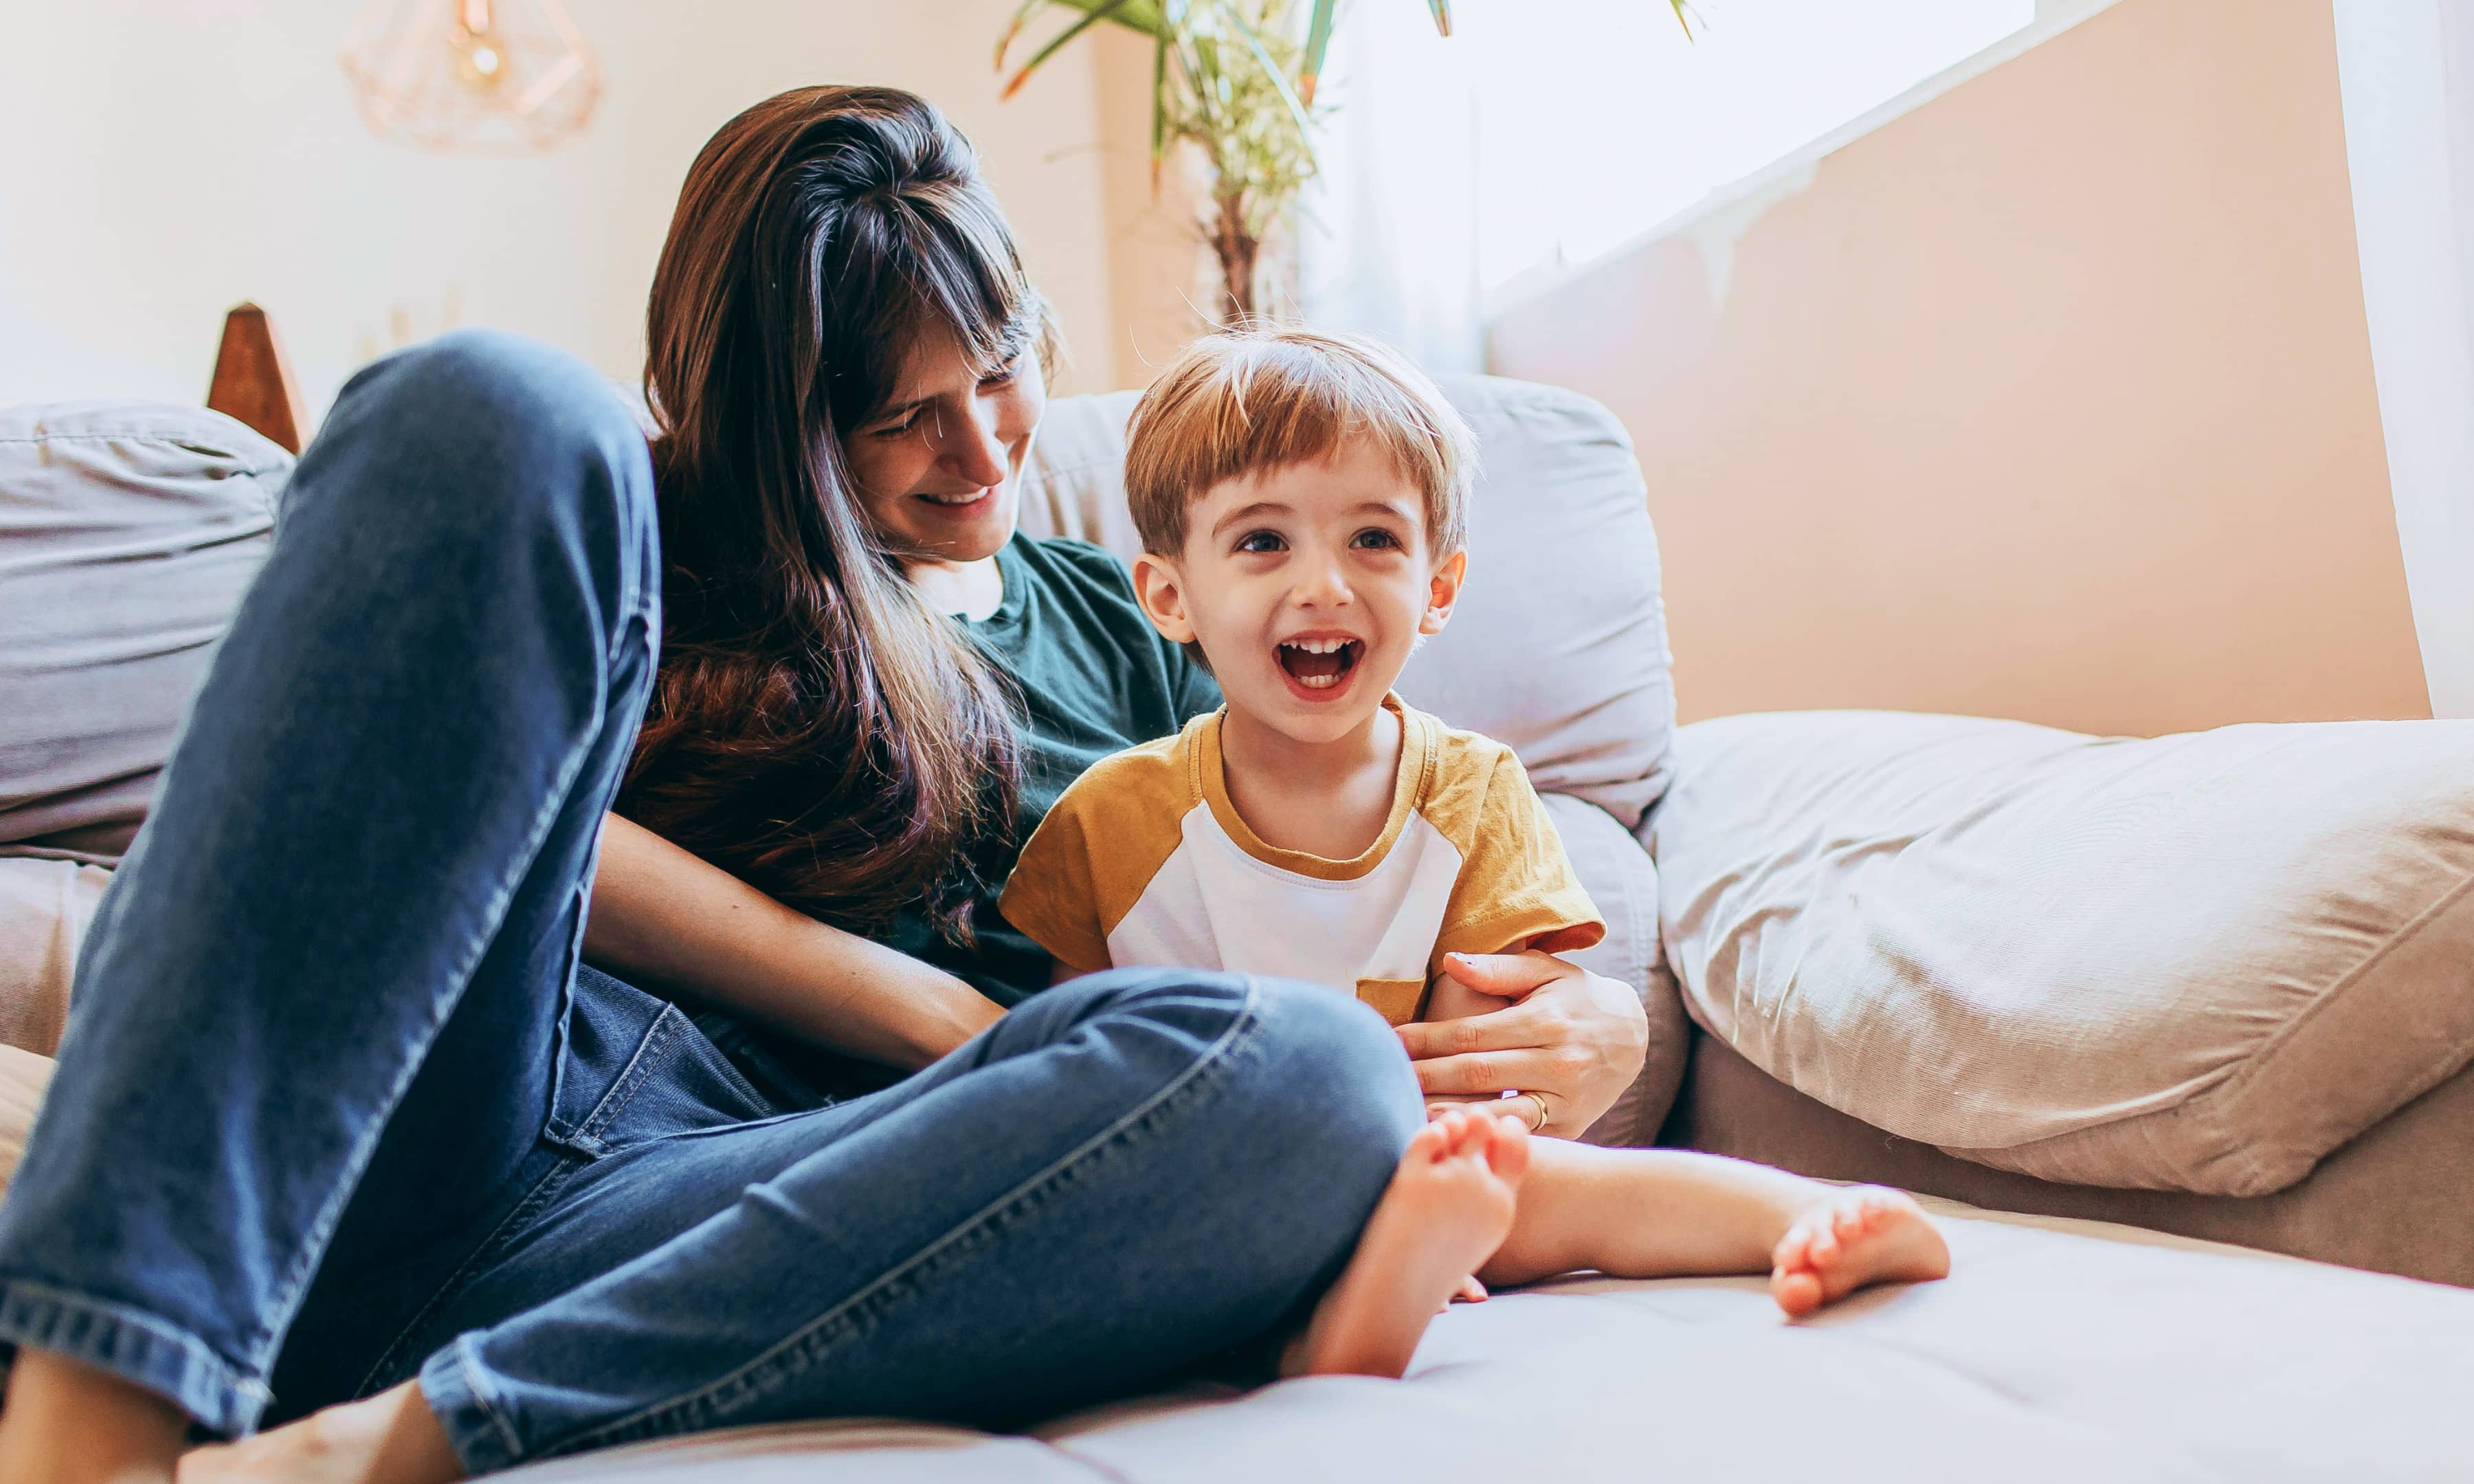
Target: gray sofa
[{"x": 2209, "y": 985}]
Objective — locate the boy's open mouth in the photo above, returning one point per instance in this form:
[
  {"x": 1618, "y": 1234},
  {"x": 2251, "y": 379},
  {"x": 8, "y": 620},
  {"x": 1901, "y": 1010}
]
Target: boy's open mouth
[{"x": 1319, "y": 663}]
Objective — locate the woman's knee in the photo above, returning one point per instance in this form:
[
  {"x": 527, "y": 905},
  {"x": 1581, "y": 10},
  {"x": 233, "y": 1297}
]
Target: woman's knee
[
  {"x": 508, "y": 426},
  {"x": 1335, "y": 1076},
  {"x": 1308, "y": 1072}
]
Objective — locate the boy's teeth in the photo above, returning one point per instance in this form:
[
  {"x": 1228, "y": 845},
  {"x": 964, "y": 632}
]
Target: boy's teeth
[{"x": 1317, "y": 664}]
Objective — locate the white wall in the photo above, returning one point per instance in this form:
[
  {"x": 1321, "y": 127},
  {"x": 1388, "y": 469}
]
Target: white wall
[
  {"x": 2407, "y": 67},
  {"x": 169, "y": 158}
]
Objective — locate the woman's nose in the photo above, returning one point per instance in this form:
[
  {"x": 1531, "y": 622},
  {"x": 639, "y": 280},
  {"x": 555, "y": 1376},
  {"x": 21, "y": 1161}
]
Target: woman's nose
[{"x": 975, "y": 450}]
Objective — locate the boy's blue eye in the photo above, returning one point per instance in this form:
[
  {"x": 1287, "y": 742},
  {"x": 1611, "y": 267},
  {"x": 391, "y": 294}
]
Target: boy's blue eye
[
  {"x": 1260, "y": 541},
  {"x": 1376, "y": 538}
]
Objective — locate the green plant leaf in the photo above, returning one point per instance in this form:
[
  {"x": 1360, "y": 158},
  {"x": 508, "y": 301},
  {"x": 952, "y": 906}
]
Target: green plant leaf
[
  {"x": 1279, "y": 80},
  {"x": 1098, "y": 12},
  {"x": 1318, "y": 42},
  {"x": 1159, "y": 104},
  {"x": 1013, "y": 28}
]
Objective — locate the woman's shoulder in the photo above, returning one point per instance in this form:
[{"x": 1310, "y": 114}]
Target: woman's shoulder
[{"x": 1062, "y": 559}]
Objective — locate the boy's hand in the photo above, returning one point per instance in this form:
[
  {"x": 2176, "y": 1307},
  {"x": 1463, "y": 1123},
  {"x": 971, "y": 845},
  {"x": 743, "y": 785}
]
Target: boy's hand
[{"x": 1571, "y": 1040}]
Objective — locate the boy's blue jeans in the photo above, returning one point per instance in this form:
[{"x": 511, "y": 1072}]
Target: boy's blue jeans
[{"x": 335, "y": 1106}]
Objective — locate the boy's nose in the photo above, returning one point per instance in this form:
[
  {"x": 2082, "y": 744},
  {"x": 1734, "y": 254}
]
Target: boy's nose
[{"x": 1324, "y": 584}]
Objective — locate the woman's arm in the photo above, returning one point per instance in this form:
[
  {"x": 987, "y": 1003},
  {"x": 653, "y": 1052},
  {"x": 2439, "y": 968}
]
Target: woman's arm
[{"x": 666, "y": 919}]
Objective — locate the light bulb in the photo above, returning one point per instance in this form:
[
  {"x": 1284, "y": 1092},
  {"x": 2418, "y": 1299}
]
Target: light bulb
[{"x": 478, "y": 62}]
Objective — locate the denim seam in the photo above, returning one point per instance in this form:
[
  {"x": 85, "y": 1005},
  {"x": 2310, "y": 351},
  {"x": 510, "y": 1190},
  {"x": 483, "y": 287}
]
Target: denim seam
[
  {"x": 804, "y": 1344},
  {"x": 286, "y": 1298},
  {"x": 195, "y": 1353},
  {"x": 641, "y": 1062},
  {"x": 535, "y": 1199},
  {"x": 493, "y": 1408}
]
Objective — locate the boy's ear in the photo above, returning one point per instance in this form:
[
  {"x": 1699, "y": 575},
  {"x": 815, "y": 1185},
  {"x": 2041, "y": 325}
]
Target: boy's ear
[
  {"x": 1161, "y": 591},
  {"x": 1442, "y": 590}
]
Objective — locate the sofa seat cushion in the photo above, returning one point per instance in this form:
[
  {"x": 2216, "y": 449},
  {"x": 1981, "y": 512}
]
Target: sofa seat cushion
[
  {"x": 2058, "y": 1351},
  {"x": 2195, "y": 963}
]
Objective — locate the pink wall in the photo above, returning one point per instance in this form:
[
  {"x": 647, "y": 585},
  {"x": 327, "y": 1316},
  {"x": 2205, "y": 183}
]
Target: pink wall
[{"x": 2051, "y": 399}]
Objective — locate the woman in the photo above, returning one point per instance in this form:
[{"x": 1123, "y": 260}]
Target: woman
[{"x": 330, "y": 1121}]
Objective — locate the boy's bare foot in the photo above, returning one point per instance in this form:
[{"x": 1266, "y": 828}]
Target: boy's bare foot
[
  {"x": 1445, "y": 1211},
  {"x": 391, "y": 1438},
  {"x": 1862, "y": 1235}
]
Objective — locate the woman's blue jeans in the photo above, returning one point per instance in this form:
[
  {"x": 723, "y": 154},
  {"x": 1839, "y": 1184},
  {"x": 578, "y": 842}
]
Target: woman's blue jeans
[{"x": 335, "y": 1106}]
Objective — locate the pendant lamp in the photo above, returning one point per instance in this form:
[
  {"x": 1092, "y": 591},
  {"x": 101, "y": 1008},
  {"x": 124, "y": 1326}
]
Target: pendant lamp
[{"x": 490, "y": 77}]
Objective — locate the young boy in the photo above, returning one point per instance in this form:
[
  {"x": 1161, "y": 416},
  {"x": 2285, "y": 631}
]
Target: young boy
[{"x": 1301, "y": 499}]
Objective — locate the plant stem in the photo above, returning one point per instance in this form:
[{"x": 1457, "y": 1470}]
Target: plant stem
[{"x": 1238, "y": 250}]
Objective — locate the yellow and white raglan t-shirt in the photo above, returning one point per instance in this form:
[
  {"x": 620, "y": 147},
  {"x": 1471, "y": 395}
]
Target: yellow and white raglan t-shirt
[{"x": 1143, "y": 862}]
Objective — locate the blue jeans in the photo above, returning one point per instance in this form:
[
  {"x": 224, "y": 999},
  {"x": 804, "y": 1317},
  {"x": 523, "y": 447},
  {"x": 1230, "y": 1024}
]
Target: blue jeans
[{"x": 335, "y": 1106}]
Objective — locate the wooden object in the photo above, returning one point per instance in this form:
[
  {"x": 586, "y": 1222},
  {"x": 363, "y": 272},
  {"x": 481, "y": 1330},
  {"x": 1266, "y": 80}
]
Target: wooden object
[{"x": 253, "y": 381}]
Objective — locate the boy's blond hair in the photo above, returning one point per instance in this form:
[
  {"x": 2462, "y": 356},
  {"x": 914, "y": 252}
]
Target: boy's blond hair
[{"x": 1245, "y": 401}]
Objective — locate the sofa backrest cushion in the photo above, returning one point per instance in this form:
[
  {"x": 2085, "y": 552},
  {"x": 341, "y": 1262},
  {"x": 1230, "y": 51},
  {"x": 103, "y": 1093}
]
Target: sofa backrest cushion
[
  {"x": 1559, "y": 646},
  {"x": 2197, "y": 962},
  {"x": 128, "y": 533}
]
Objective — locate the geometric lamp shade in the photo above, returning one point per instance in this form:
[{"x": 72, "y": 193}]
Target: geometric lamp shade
[{"x": 493, "y": 77}]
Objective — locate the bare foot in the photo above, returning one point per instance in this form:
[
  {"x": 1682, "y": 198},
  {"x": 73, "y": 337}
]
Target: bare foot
[
  {"x": 1445, "y": 1211},
  {"x": 391, "y": 1438},
  {"x": 1859, "y": 1236}
]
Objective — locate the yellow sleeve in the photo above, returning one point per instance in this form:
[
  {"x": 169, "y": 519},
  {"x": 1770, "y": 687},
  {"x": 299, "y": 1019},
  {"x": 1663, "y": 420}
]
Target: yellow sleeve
[
  {"x": 1107, "y": 835},
  {"x": 1515, "y": 889},
  {"x": 1051, "y": 895}
]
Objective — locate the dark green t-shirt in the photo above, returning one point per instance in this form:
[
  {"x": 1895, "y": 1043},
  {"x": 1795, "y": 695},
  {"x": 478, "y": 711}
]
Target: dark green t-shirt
[{"x": 1094, "y": 677}]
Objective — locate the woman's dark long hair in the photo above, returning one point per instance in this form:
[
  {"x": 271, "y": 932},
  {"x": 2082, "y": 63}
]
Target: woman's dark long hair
[{"x": 817, "y": 730}]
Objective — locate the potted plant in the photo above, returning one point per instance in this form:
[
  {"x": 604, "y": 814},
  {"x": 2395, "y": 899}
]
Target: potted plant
[{"x": 1234, "y": 82}]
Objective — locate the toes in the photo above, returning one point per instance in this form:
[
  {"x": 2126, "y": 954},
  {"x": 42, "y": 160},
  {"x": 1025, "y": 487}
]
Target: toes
[
  {"x": 1794, "y": 1249},
  {"x": 1506, "y": 1147},
  {"x": 1470, "y": 1135},
  {"x": 1798, "y": 1292},
  {"x": 1426, "y": 1146}
]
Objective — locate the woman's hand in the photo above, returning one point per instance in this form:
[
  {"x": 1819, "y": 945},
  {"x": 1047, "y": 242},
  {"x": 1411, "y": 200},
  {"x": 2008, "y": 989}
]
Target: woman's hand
[
  {"x": 671, "y": 923},
  {"x": 1571, "y": 1039}
]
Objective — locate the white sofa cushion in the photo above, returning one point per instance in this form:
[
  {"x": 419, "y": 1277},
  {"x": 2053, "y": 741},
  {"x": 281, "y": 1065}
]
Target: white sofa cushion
[
  {"x": 2058, "y": 1350},
  {"x": 1558, "y": 648},
  {"x": 2197, "y": 962},
  {"x": 128, "y": 533}
]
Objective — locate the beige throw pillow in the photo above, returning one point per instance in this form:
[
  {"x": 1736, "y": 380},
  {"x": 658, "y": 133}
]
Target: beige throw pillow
[{"x": 2196, "y": 962}]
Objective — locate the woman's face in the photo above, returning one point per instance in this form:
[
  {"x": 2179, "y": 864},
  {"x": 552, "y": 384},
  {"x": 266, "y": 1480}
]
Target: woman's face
[{"x": 940, "y": 469}]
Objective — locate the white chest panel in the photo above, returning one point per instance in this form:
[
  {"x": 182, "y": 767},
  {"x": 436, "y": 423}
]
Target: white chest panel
[{"x": 1214, "y": 906}]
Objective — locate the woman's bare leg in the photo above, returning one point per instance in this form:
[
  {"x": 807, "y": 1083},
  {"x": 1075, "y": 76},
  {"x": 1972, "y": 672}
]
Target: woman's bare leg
[
  {"x": 1674, "y": 1213},
  {"x": 391, "y": 1438},
  {"x": 69, "y": 1423}
]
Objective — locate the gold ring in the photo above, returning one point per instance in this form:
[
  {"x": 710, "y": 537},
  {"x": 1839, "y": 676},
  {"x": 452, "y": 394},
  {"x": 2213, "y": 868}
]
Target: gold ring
[{"x": 1540, "y": 1127}]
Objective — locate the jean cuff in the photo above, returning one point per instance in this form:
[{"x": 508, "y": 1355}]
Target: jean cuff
[
  {"x": 138, "y": 1348},
  {"x": 456, "y": 1386}
]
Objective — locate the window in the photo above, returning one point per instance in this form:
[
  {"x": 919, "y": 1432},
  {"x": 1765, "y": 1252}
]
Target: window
[{"x": 1597, "y": 119}]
